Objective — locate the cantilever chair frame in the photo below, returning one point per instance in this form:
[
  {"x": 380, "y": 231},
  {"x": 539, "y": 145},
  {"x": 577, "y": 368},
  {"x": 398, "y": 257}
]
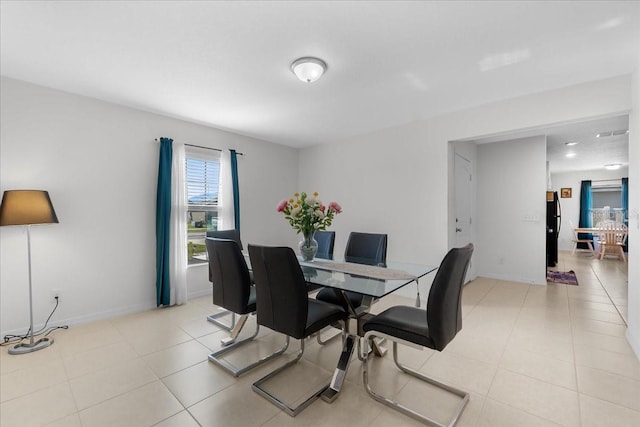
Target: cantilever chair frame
[
  {"x": 216, "y": 358},
  {"x": 227, "y": 265},
  {"x": 292, "y": 411},
  {"x": 269, "y": 304},
  {"x": 368, "y": 337},
  {"x": 441, "y": 323}
]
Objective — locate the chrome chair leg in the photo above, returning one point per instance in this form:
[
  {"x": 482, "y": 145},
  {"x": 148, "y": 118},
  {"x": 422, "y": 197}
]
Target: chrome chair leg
[
  {"x": 405, "y": 410},
  {"x": 213, "y": 318},
  {"x": 235, "y": 331},
  {"x": 319, "y": 338},
  {"x": 236, "y": 372},
  {"x": 257, "y": 387}
]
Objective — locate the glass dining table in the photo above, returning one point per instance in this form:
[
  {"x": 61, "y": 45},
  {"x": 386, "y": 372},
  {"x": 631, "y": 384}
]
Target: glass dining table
[{"x": 373, "y": 282}]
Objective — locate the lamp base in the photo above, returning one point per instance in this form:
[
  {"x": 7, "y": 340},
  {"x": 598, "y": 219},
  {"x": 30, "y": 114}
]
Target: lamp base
[{"x": 29, "y": 348}]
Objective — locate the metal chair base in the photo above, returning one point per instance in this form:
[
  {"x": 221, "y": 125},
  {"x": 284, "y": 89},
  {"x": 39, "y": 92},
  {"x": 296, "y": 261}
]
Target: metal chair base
[
  {"x": 236, "y": 372},
  {"x": 257, "y": 387},
  {"x": 213, "y": 318},
  {"x": 403, "y": 409}
]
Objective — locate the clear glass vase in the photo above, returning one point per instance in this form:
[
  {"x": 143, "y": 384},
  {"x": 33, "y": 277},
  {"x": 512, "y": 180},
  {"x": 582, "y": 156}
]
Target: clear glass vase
[{"x": 308, "y": 247}]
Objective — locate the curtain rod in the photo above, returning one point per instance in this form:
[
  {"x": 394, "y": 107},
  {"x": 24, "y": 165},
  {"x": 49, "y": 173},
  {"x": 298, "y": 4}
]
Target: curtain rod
[
  {"x": 204, "y": 148},
  {"x": 607, "y": 180}
]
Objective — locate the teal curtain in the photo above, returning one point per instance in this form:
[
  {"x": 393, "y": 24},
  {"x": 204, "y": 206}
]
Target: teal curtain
[
  {"x": 236, "y": 188},
  {"x": 585, "y": 212},
  {"x": 625, "y": 204},
  {"x": 163, "y": 218}
]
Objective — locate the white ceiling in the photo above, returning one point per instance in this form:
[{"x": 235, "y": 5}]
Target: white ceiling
[
  {"x": 591, "y": 152},
  {"x": 226, "y": 64}
]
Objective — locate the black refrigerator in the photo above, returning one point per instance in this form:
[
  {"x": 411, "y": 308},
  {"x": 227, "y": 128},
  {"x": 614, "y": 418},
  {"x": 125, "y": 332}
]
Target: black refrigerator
[{"x": 554, "y": 221}]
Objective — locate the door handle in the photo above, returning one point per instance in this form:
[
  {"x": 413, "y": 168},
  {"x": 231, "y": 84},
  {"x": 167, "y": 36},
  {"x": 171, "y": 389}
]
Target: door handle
[{"x": 458, "y": 230}]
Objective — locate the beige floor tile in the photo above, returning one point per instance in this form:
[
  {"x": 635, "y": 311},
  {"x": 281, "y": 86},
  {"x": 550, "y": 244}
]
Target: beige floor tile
[
  {"x": 99, "y": 358},
  {"x": 198, "y": 382},
  {"x": 237, "y": 405},
  {"x": 597, "y": 413},
  {"x": 599, "y": 327},
  {"x": 12, "y": 362},
  {"x": 83, "y": 338},
  {"x": 476, "y": 346},
  {"x": 617, "y": 363},
  {"x": 541, "y": 344},
  {"x": 496, "y": 414},
  {"x": 461, "y": 372},
  {"x": 147, "y": 343},
  {"x": 144, "y": 406},
  {"x": 199, "y": 327},
  {"x": 544, "y": 368},
  {"x": 545, "y": 400},
  {"x": 72, "y": 420},
  {"x": 181, "y": 419},
  {"x": 112, "y": 381},
  {"x": 602, "y": 341},
  {"x": 612, "y": 388},
  {"x": 24, "y": 381},
  {"x": 38, "y": 408},
  {"x": 602, "y": 316},
  {"x": 173, "y": 359}
]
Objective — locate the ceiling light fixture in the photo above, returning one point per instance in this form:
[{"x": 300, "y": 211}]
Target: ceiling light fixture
[
  {"x": 571, "y": 143},
  {"x": 570, "y": 155},
  {"x": 612, "y": 166},
  {"x": 308, "y": 69}
]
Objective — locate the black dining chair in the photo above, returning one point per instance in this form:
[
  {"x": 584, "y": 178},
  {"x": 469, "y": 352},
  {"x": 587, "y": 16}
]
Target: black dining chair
[
  {"x": 234, "y": 235},
  {"x": 232, "y": 290},
  {"x": 283, "y": 305},
  {"x": 434, "y": 328},
  {"x": 362, "y": 248},
  {"x": 326, "y": 241}
]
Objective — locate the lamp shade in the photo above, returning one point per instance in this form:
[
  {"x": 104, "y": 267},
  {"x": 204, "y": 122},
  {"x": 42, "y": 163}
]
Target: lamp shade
[{"x": 26, "y": 207}]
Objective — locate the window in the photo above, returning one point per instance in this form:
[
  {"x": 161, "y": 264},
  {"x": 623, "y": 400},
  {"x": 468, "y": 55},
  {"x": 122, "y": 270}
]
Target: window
[{"x": 202, "y": 180}]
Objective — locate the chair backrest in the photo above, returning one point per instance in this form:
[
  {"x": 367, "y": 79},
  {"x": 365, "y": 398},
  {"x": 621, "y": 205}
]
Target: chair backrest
[
  {"x": 326, "y": 240},
  {"x": 232, "y": 234},
  {"x": 366, "y": 248},
  {"x": 612, "y": 233},
  {"x": 444, "y": 307},
  {"x": 281, "y": 291},
  {"x": 230, "y": 275}
]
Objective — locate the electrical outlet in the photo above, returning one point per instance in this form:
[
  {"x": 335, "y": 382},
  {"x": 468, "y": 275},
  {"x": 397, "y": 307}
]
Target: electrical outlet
[{"x": 55, "y": 293}]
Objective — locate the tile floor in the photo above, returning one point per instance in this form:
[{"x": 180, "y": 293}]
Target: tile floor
[{"x": 529, "y": 355}]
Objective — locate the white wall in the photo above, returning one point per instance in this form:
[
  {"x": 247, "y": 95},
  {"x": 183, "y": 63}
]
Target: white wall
[
  {"x": 99, "y": 163},
  {"x": 633, "y": 332},
  {"x": 511, "y": 219},
  {"x": 399, "y": 180},
  {"x": 571, "y": 207}
]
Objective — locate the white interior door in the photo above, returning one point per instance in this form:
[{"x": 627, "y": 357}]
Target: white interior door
[{"x": 463, "y": 205}]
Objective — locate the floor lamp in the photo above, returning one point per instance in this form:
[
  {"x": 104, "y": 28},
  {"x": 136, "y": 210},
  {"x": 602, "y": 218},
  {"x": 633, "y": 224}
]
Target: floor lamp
[{"x": 28, "y": 207}]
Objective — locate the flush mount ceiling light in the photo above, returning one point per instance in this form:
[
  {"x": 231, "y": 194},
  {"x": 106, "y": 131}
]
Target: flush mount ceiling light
[
  {"x": 612, "y": 166},
  {"x": 570, "y": 155},
  {"x": 308, "y": 69},
  {"x": 571, "y": 143}
]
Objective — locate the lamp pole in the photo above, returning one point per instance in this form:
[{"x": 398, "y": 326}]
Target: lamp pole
[{"x": 42, "y": 342}]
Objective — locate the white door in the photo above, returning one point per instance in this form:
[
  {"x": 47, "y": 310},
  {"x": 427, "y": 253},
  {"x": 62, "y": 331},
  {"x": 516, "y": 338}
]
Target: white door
[{"x": 463, "y": 199}]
